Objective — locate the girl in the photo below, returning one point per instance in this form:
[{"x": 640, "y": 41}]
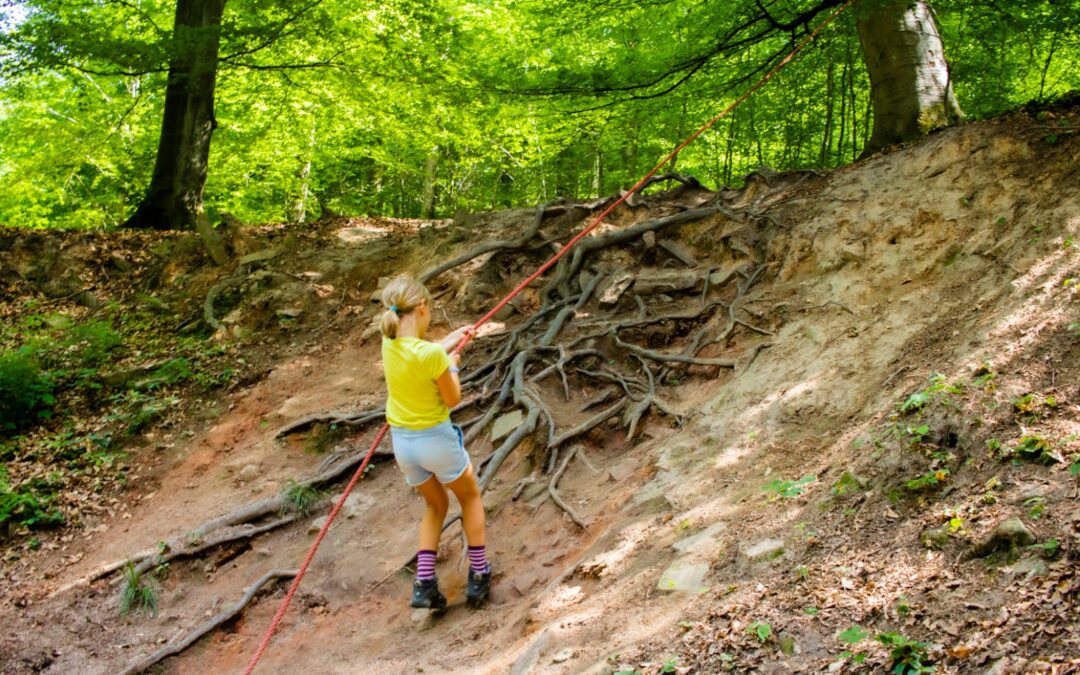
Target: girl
[{"x": 422, "y": 382}]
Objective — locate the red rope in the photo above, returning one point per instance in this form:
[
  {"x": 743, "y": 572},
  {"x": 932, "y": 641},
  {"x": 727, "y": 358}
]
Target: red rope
[{"x": 487, "y": 317}]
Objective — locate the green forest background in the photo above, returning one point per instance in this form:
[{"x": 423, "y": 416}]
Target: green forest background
[{"x": 429, "y": 107}]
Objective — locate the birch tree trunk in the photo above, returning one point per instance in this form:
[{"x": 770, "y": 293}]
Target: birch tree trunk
[
  {"x": 909, "y": 77},
  {"x": 173, "y": 200}
]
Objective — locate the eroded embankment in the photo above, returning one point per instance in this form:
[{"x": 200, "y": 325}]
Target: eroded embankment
[{"x": 703, "y": 549}]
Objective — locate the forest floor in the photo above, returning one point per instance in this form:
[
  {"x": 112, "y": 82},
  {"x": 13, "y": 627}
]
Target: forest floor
[{"x": 874, "y": 465}]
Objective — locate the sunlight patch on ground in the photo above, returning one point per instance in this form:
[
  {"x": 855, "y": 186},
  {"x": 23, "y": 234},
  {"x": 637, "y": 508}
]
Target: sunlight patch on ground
[
  {"x": 610, "y": 562},
  {"x": 561, "y": 597}
]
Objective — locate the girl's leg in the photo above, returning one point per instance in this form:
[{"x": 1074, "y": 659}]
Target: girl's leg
[
  {"x": 472, "y": 521},
  {"x": 437, "y": 502},
  {"x": 426, "y": 587},
  {"x": 472, "y": 507}
]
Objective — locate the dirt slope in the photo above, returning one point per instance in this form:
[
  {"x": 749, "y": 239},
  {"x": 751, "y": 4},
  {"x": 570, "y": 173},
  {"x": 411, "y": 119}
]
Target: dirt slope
[{"x": 957, "y": 256}]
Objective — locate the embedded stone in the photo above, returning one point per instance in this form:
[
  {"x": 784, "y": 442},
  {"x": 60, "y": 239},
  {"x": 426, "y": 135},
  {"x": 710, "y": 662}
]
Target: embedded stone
[
  {"x": 683, "y": 577},
  {"x": 1008, "y": 535},
  {"x": 505, "y": 424},
  {"x": 765, "y": 549},
  {"x": 615, "y": 288},
  {"x": 702, "y": 541}
]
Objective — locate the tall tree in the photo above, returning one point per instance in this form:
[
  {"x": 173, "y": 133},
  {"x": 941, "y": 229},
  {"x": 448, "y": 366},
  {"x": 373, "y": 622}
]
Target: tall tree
[
  {"x": 174, "y": 197},
  {"x": 910, "y": 83}
]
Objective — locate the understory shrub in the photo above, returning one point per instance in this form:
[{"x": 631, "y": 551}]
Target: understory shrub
[{"x": 26, "y": 390}]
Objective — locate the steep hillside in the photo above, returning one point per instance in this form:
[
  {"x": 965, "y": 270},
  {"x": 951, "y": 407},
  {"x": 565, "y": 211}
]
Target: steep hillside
[{"x": 873, "y": 463}]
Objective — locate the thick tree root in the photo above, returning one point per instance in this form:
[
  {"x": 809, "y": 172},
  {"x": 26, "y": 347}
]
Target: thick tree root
[
  {"x": 225, "y": 616},
  {"x": 237, "y": 525}
]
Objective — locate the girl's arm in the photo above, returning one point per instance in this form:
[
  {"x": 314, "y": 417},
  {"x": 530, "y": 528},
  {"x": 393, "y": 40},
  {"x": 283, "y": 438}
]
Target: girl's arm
[
  {"x": 451, "y": 340},
  {"x": 448, "y": 383}
]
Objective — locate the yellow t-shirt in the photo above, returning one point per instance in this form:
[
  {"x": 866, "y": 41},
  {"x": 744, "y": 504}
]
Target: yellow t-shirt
[{"x": 411, "y": 366}]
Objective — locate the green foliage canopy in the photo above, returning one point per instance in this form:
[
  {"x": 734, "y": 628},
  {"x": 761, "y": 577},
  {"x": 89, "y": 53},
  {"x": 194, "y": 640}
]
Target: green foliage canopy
[{"x": 424, "y": 108}]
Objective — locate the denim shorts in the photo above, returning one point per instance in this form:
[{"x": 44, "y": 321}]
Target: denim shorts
[{"x": 436, "y": 451}]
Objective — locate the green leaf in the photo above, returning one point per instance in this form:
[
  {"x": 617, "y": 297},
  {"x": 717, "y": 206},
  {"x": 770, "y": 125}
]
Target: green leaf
[{"x": 853, "y": 635}]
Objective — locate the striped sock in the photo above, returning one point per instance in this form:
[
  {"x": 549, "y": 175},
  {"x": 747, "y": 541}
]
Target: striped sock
[
  {"x": 425, "y": 565},
  {"x": 478, "y": 559}
]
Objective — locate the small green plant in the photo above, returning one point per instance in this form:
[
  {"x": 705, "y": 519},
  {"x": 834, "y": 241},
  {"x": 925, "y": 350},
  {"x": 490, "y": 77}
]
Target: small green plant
[
  {"x": 811, "y": 611},
  {"x": 24, "y": 506},
  {"x": 1031, "y": 407},
  {"x": 845, "y": 485},
  {"x": 300, "y": 498},
  {"x": 786, "y": 489},
  {"x": 902, "y": 606},
  {"x": 1035, "y": 448},
  {"x": 909, "y": 657},
  {"x": 1074, "y": 328},
  {"x": 939, "y": 387},
  {"x": 173, "y": 371},
  {"x": 137, "y": 594},
  {"x": 984, "y": 377},
  {"x": 915, "y": 402},
  {"x": 916, "y": 434},
  {"x": 761, "y": 630},
  {"x": 1049, "y": 550},
  {"x": 802, "y": 572},
  {"x": 26, "y": 390},
  {"x": 1036, "y": 507},
  {"x": 852, "y": 636},
  {"x": 927, "y": 481},
  {"x": 670, "y": 666}
]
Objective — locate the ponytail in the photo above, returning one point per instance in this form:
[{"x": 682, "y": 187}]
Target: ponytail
[{"x": 401, "y": 296}]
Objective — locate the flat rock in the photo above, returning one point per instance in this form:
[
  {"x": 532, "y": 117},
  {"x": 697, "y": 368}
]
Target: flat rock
[
  {"x": 356, "y": 505},
  {"x": 683, "y": 577},
  {"x": 652, "y": 281},
  {"x": 702, "y": 541},
  {"x": 317, "y": 525},
  {"x": 505, "y": 424},
  {"x": 249, "y": 472},
  {"x": 680, "y": 251},
  {"x": 1009, "y": 534},
  {"x": 766, "y": 549},
  {"x": 1029, "y": 568},
  {"x": 563, "y": 656},
  {"x": 721, "y": 277},
  {"x": 623, "y": 469},
  {"x": 527, "y": 661},
  {"x": 615, "y": 288}
]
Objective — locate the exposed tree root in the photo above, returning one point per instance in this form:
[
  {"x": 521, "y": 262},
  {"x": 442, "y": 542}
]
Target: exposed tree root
[
  {"x": 555, "y": 497},
  {"x": 237, "y": 525},
  {"x": 225, "y": 616}
]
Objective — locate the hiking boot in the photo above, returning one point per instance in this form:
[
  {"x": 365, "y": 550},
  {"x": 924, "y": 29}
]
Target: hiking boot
[
  {"x": 425, "y": 594},
  {"x": 478, "y": 588}
]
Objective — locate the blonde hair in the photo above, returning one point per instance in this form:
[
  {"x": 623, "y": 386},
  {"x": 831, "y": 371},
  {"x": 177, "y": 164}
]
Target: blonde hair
[{"x": 401, "y": 296}]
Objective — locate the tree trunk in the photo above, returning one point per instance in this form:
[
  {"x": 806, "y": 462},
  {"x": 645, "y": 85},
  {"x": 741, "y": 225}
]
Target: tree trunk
[
  {"x": 909, "y": 78},
  {"x": 174, "y": 199}
]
